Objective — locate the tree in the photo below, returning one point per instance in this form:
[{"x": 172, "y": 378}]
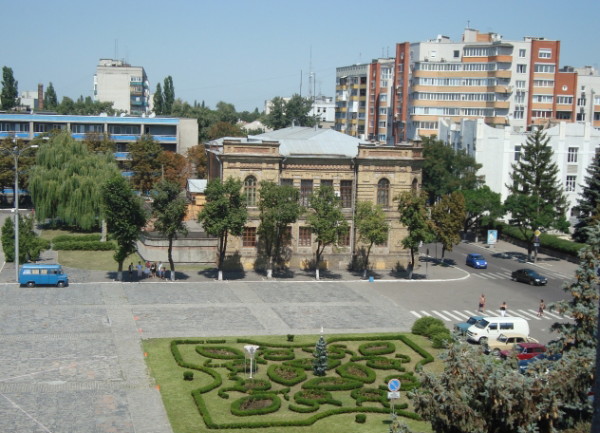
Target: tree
[
  {"x": 325, "y": 220},
  {"x": 169, "y": 209},
  {"x": 99, "y": 142},
  {"x": 65, "y": 183},
  {"x": 536, "y": 199},
  {"x": 174, "y": 168},
  {"x": 278, "y": 206},
  {"x": 50, "y": 98},
  {"x": 125, "y": 217},
  {"x": 26, "y": 159},
  {"x": 448, "y": 216},
  {"x": 168, "y": 95},
  {"x": 372, "y": 228},
  {"x": 446, "y": 170},
  {"x": 145, "y": 163},
  {"x": 320, "y": 358},
  {"x": 196, "y": 155},
  {"x": 30, "y": 245},
  {"x": 223, "y": 214},
  {"x": 225, "y": 129},
  {"x": 296, "y": 111},
  {"x": 482, "y": 206},
  {"x": 9, "y": 97},
  {"x": 587, "y": 205},
  {"x": 276, "y": 118},
  {"x": 158, "y": 100},
  {"x": 226, "y": 113},
  {"x": 414, "y": 216}
]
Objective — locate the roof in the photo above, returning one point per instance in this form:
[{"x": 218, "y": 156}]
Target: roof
[
  {"x": 196, "y": 185},
  {"x": 300, "y": 141}
]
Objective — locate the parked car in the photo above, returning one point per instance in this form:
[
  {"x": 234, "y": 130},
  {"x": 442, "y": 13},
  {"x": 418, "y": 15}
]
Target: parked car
[
  {"x": 506, "y": 341},
  {"x": 529, "y": 276},
  {"x": 38, "y": 274},
  {"x": 476, "y": 261},
  {"x": 490, "y": 328},
  {"x": 462, "y": 327},
  {"x": 524, "y": 350},
  {"x": 524, "y": 364}
]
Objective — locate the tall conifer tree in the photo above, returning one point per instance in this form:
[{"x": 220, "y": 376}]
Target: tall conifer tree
[{"x": 589, "y": 201}]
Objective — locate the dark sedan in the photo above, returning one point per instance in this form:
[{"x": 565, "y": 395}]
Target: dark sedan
[{"x": 529, "y": 276}]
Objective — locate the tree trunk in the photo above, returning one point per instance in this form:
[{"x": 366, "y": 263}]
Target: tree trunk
[
  {"x": 120, "y": 272},
  {"x": 104, "y": 231},
  {"x": 170, "y": 257},
  {"x": 411, "y": 265}
]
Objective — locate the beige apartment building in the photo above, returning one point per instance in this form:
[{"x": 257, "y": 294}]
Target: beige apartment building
[
  {"x": 308, "y": 158},
  {"x": 124, "y": 85}
]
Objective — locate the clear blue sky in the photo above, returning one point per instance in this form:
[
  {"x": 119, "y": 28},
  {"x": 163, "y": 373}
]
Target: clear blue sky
[{"x": 245, "y": 52}]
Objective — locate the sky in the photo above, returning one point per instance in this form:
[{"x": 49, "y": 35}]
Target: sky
[{"x": 247, "y": 52}]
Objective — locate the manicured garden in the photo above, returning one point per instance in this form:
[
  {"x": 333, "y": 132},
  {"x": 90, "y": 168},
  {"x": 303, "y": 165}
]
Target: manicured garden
[{"x": 207, "y": 383}]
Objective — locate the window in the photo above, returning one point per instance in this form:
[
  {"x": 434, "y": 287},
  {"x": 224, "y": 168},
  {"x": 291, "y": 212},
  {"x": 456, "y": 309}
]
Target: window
[
  {"x": 383, "y": 97},
  {"x": 383, "y": 192},
  {"x": 306, "y": 189},
  {"x": 327, "y": 182},
  {"x": 522, "y": 52},
  {"x": 521, "y": 69},
  {"x": 570, "y": 184},
  {"x": 545, "y": 99},
  {"x": 249, "y": 237},
  {"x": 517, "y": 153},
  {"x": 545, "y": 68},
  {"x": 456, "y": 54},
  {"x": 572, "y": 154},
  {"x": 545, "y": 53},
  {"x": 346, "y": 193},
  {"x": 520, "y": 84},
  {"x": 250, "y": 190},
  {"x": 286, "y": 182},
  {"x": 506, "y": 326},
  {"x": 519, "y": 113},
  {"x": 344, "y": 238},
  {"x": 566, "y": 100},
  {"x": 304, "y": 238}
]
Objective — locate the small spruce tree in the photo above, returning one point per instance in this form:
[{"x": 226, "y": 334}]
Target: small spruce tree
[{"x": 320, "y": 355}]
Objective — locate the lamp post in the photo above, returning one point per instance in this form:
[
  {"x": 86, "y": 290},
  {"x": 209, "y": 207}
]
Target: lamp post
[{"x": 16, "y": 152}]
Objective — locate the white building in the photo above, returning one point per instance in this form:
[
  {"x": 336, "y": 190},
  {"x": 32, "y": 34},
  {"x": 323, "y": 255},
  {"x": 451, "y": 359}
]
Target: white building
[
  {"x": 124, "y": 85},
  {"x": 496, "y": 149}
]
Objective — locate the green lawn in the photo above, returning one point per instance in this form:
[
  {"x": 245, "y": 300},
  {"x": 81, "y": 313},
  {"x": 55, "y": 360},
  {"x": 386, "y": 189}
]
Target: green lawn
[{"x": 185, "y": 416}]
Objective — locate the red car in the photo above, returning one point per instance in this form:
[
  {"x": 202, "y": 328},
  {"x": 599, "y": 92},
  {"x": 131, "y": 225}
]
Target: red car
[{"x": 524, "y": 350}]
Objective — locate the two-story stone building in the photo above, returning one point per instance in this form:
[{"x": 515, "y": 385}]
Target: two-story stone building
[{"x": 308, "y": 158}]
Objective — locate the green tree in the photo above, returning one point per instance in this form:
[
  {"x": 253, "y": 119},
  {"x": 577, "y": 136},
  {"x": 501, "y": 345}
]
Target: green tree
[
  {"x": 196, "y": 155},
  {"x": 9, "y": 97},
  {"x": 372, "y": 228},
  {"x": 276, "y": 119},
  {"x": 297, "y": 109},
  {"x": 145, "y": 163},
  {"x": 446, "y": 170},
  {"x": 168, "y": 95},
  {"x": 125, "y": 217},
  {"x": 223, "y": 214},
  {"x": 66, "y": 180},
  {"x": 30, "y": 245},
  {"x": 448, "y": 216},
  {"x": 326, "y": 221},
  {"x": 483, "y": 206},
  {"x": 50, "y": 98},
  {"x": 169, "y": 208},
  {"x": 25, "y": 153},
  {"x": 225, "y": 129},
  {"x": 414, "y": 215},
  {"x": 587, "y": 205},
  {"x": 278, "y": 206},
  {"x": 159, "y": 100},
  {"x": 99, "y": 142},
  {"x": 536, "y": 199},
  {"x": 320, "y": 358},
  {"x": 226, "y": 113}
]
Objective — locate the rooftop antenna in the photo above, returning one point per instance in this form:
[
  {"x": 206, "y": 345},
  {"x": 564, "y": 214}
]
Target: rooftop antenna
[
  {"x": 300, "y": 82},
  {"x": 116, "y": 49},
  {"x": 310, "y": 75}
]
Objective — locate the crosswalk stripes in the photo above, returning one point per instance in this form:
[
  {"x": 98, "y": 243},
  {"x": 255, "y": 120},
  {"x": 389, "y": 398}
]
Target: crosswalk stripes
[
  {"x": 461, "y": 316},
  {"x": 492, "y": 275}
]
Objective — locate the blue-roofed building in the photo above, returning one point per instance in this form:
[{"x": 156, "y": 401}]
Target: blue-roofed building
[{"x": 308, "y": 158}]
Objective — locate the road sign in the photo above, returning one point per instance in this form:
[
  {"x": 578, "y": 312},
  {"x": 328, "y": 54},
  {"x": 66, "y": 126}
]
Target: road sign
[
  {"x": 392, "y": 395},
  {"x": 394, "y": 385},
  {"x": 492, "y": 237},
  {"x": 537, "y": 233}
]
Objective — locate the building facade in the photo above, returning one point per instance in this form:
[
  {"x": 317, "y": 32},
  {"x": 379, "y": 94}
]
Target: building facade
[
  {"x": 308, "y": 158},
  {"x": 574, "y": 146},
  {"x": 124, "y": 85},
  {"x": 514, "y": 83}
]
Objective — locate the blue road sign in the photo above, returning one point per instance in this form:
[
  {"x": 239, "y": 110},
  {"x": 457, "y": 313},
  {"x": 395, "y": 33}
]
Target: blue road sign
[{"x": 394, "y": 385}]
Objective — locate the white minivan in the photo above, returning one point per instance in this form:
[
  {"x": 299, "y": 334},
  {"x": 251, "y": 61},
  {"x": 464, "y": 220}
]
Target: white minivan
[{"x": 490, "y": 328}]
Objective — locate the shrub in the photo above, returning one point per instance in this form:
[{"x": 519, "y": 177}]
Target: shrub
[
  {"x": 435, "y": 328},
  {"x": 188, "y": 375},
  {"x": 83, "y": 246},
  {"x": 421, "y": 325},
  {"x": 360, "y": 418},
  {"x": 440, "y": 339},
  {"x": 290, "y": 337}
]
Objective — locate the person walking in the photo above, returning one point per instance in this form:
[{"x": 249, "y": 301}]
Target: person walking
[
  {"x": 541, "y": 308},
  {"x": 482, "y": 303},
  {"x": 130, "y": 270},
  {"x": 139, "y": 270},
  {"x": 503, "y": 309}
]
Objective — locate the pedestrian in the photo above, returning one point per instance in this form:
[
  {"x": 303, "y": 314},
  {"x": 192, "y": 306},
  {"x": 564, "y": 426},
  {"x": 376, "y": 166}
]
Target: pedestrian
[
  {"x": 482, "y": 303},
  {"x": 130, "y": 270},
  {"x": 541, "y": 308},
  {"x": 153, "y": 269},
  {"x": 139, "y": 270},
  {"x": 503, "y": 309},
  {"x": 161, "y": 270},
  {"x": 147, "y": 270}
]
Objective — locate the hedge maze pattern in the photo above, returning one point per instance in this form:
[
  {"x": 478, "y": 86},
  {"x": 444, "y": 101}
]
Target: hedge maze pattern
[{"x": 287, "y": 393}]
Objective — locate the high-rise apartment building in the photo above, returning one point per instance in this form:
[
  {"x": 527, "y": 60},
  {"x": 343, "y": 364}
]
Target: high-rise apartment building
[
  {"x": 515, "y": 83},
  {"x": 124, "y": 85}
]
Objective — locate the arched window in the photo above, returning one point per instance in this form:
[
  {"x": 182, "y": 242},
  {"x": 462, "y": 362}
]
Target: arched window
[
  {"x": 250, "y": 190},
  {"x": 415, "y": 185},
  {"x": 383, "y": 192}
]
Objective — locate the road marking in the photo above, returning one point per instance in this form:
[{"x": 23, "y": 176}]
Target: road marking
[
  {"x": 441, "y": 315},
  {"x": 531, "y": 314},
  {"x": 461, "y": 314},
  {"x": 414, "y": 313}
]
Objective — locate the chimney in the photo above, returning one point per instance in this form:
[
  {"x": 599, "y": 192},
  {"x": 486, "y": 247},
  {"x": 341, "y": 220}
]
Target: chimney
[{"x": 40, "y": 96}]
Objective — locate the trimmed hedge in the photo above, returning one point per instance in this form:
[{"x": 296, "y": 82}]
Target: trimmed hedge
[
  {"x": 549, "y": 241},
  {"x": 275, "y": 370},
  {"x": 77, "y": 238},
  {"x": 367, "y": 376},
  {"x": 421, "y": 326},
  {"x": 236, "y": 406},
  {"x": 84, "y": 246},
  {"x": 377, "y": 348}
]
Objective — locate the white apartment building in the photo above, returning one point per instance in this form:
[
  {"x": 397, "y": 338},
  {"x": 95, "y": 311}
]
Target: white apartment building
[{"x": 124, "y": 85}]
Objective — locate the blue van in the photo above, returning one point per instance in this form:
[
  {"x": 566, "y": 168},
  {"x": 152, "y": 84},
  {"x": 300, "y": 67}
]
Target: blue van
[{"x": 32, "y": 274}]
